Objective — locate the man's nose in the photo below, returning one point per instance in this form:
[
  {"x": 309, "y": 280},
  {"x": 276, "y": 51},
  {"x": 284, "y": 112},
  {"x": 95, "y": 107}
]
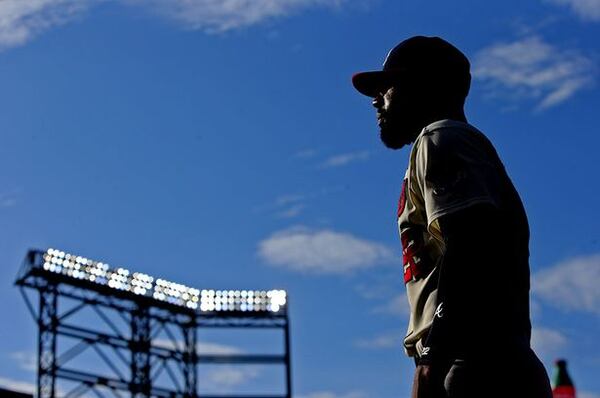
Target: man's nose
[{"x": 378, "y": 101}]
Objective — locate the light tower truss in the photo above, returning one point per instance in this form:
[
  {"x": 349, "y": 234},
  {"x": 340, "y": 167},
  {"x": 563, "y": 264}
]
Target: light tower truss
[{"x": 141, "y": 330}]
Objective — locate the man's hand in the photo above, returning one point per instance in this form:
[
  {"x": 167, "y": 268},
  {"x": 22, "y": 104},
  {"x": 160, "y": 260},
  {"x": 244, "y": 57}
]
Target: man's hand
[{"x": 429, "y": 382}]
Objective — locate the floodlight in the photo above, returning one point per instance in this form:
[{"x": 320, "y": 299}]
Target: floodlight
[{"x": 140, "y": 284}]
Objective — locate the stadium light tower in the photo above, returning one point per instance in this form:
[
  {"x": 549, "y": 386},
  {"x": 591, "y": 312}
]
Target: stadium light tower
[{"x": 133, "y": 355}]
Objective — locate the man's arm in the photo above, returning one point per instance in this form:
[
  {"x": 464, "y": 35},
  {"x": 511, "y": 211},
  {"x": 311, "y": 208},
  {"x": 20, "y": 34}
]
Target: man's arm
[
  {"x": 469, "y": 235},
  {"x": 459, "y": 182}
]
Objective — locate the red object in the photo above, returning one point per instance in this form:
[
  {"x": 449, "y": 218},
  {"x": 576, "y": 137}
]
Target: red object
[
  {"x": 562, "y": 385},
  {"x": 563, "y": 392}
]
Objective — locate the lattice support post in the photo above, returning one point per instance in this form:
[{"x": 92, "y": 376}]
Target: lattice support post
[
  {"x": 288, "y": 360},
  {"x": 190, "y": 358},
  {"x": 141, "y": 384},
  {"x": 47, "y": 321}
]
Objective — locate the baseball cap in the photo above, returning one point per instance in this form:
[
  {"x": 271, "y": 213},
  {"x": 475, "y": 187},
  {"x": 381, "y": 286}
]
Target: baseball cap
[{"x": 432, "y": 57}]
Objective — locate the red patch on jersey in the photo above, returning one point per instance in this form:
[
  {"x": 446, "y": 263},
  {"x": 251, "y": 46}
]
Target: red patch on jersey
[
  {"x": 413, "y": 258},
  {"x": 402, "y": 201}
]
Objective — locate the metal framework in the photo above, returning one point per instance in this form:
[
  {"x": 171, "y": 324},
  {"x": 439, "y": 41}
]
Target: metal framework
[{"x": 133, "y": 356}]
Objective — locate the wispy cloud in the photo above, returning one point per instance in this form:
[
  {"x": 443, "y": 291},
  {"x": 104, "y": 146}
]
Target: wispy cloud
[
  {"x": 329, "y": 394},
  {"x": 588, "y": 10},
  {"x": 322, "y": 251},
  {"x": 25, "y": 360},
  {"x": 21, "y": 21},
  {"x": 548, "y": 343},
  {"x": 286, "y": 206},
  {"x": 386, "y": 340},
  {"x": 345, "y": 158},
  {"x": 571, "y": 285},
  {"x": 222, "y": 15},
  {"x": 18, "y": 385},
  {"x": 534, "y": 69},
  {"x": 397, "y": 305},
  {"x": 290, "y": 206}
]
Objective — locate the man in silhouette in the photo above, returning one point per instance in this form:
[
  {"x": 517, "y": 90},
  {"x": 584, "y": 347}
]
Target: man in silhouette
[{"x": 463, "y": 228}]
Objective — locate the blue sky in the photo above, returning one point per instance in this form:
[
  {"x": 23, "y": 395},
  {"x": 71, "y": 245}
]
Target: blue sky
[{"x": 221, "y": 145}]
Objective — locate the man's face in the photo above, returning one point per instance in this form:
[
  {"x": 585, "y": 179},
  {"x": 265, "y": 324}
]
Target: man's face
[{"x": 398, "y": 116}]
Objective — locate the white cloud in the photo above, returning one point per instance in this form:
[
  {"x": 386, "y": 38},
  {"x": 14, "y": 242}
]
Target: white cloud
[
  {"x": 222, "y": 15},
  {"x": 532, "y": 68},
  {"x": 22, "y": 20},
  {"x": 386, "y": 340},
  {"x": 571, "y": 284},
  {"x": 329, "y": 394},
  {"x": 547, "y": 342},
  {"x": 321, "y": 251},
  {"x": 588, "y": 10},
  {"x": 398, "y": 305},
  {"x": 25, "y": 360},
  {"x": 18, "y": 385},
  {"x": 345, "y": 158}
]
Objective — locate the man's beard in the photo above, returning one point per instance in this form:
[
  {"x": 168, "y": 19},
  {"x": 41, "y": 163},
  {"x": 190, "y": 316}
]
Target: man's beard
[{"x": 395, "y": 137}]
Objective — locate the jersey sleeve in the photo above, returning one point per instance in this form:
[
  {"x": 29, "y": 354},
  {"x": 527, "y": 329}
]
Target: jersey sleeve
[{"x": 455, "y": 170}]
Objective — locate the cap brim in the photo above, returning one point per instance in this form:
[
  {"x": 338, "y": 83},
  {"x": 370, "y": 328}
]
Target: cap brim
[{"x": 371, "y": 83}]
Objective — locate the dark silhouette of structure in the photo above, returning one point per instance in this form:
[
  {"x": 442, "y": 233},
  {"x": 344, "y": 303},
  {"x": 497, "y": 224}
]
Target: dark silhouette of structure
[{"x": 132, "y": 310}]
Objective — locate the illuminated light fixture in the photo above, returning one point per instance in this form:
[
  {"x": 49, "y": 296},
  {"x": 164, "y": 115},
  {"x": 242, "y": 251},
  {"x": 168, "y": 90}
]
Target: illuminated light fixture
[{"x": 140, "y": 284}]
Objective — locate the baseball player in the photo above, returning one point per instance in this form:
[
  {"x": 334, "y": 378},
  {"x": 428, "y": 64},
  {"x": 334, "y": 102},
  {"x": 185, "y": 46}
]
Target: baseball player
[{"x": 463, "y": 229}]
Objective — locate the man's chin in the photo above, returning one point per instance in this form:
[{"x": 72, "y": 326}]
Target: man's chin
[{"x": 391, "y": 140}]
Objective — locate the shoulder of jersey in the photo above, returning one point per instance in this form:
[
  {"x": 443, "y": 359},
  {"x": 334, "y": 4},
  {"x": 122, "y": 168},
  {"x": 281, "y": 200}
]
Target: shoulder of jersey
[{"x": 448, "y": 131}]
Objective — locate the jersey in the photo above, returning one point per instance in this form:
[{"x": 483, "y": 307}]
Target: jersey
[{"x": 453, "y": 166}]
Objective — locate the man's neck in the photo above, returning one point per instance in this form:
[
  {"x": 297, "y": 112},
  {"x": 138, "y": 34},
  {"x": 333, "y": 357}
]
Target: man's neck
[{"x": 458, "y": 115}]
